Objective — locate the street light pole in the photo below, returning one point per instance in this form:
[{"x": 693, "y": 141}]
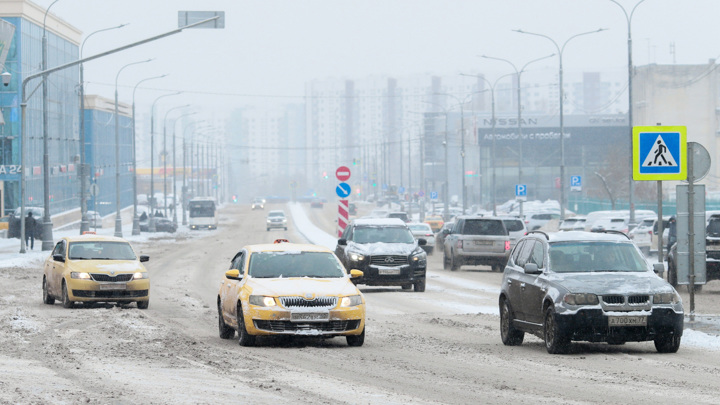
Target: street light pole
[
  {"x": 84, "y": 225},
  {"x": 151, "y": 217},
  {"x": 174, "y": 180},
  {"x": 118, "y": 218},
  {"x": 518, "y": 73},
  {"x": 47, "y": 238},
  {"x": 560, "y": 51},
  {"x": 164, "y": 154},
  {"x": 631, "y": 185},
  {"x": 136, "y": 219}
]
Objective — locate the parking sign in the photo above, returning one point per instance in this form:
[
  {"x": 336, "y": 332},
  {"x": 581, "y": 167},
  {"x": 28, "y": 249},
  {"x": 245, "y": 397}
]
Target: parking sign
[
  {"x": 521, "y": 192},
  {"x": 575, "y": 183}
]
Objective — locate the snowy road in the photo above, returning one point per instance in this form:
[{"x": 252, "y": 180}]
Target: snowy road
[{"x": 441, "y": 346}]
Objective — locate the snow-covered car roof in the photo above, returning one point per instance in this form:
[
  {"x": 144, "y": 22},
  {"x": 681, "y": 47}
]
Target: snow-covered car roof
[{"x": 379, "y": 222}]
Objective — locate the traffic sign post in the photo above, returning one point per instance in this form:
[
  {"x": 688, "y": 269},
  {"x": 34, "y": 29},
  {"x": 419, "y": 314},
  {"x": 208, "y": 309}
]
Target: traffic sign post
[
  {"x": 343, "y": 191},
  {"x": 521, "y": 192}
]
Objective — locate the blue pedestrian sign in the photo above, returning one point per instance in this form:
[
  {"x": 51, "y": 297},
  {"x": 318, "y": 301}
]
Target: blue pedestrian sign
[
  {"x": 343, "y": 190},
  {"x": 575, "y": 183},
  {"x": 433, "y": 195},
  {"x": 659, "y": 153},
  {"x": 521, "y": 192}
]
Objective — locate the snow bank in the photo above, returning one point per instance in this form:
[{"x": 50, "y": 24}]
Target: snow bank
[{"x": 307, "y": 229}]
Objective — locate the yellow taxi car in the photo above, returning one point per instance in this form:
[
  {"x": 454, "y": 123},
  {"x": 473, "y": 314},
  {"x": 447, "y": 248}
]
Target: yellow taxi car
[
  {"x": 94, "y": 268},
  {"x": 290, "y": 289},
  {"x": 435, "y": 221}
]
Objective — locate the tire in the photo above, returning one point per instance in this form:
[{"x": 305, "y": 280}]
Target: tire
[
  {"x": 226, "y": 332},
  {"x": 430, "y": 251},
  {"x": 672, "y": 274},
  {"x": 509, "y": 335},
  {"x": 356, "y": 340},
  {"x": 406, "y": 286},
  {"x": 244, "y": 338},
  {"x": 454, "y": 265},
  {"x": 446, "y": 262},
  {"x": 143, "y": 304},
  {"x": 47, "y": 298},
  {"x": 420, "y": 285},
  {"x": 65, "y": 297},
  {"x": 556, "y": 340},
  {"x": 667, "y": 343}
]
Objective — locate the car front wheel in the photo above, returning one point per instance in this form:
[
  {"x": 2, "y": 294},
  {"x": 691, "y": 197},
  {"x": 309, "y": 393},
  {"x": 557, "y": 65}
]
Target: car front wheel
[
  {"x": 667, "y": 343},
  {"x": 244, "y": 338},
  {"x": 143, "y": 304},
  {"x": 356, "y": 340},
  {"x": 509, "y": 335},
  {"x": 420, "y": 285},
  {"x": 556, "y": 340}
]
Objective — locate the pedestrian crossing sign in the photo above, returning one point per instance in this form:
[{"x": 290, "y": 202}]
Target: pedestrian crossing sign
[{"x": 659, "y": 153}]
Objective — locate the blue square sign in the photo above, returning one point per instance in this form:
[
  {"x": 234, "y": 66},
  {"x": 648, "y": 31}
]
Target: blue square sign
[{"x": 659, "y": 153}]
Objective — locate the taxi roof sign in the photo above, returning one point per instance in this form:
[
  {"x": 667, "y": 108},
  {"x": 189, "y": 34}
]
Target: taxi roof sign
[{"x": 660, "y": 153}]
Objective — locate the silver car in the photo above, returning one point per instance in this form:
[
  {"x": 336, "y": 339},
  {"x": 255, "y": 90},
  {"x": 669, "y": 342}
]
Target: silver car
[
  {"x": 581, "y": 286},
  {"x": 424, "y": 231}
]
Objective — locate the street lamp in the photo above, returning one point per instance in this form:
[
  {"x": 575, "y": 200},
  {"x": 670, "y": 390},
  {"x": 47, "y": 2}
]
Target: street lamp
[
  {"x": 151, "y": 216},
  {"x": 184, "y": 187},
  {"x": 84, "y": 225},
  {"x": 518, "y": 73},
  {"x": 174, "y": 180},
  {"x": 47, "y": 241},
  {"x": 118, "y": 218},
  {"x": 164, "y": 154},
  {"x": 631, "y": 185},
  {"x": 560, "y": 51},
  {"x": 136, "y": 219},
  {"x": 446, "y": 211}
]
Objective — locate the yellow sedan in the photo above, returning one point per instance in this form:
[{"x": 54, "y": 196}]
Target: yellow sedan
[
  {"x": 290, "y": 289},
  {"x": 435, "y": 221},
  {"x": 93, "y": 268}
]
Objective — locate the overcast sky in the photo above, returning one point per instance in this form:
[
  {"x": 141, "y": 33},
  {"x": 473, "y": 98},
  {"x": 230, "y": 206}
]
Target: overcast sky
[{"x": 272, "y": 47}]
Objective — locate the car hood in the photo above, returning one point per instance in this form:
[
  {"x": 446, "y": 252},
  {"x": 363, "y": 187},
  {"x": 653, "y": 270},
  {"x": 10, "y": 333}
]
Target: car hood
[
  {"x": 602, "y": 283},
  {"x": 381, "y": 248},
  {"x": 105, "y": 266},
  {"x": 301, "y": 286}
]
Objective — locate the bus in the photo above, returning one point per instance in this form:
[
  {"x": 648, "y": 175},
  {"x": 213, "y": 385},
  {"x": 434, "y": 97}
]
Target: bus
[{"x": 203, "y": 213}]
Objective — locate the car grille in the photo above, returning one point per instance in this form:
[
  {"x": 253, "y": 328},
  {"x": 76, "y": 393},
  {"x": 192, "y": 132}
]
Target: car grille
[
  {"x": 120, "y": 278},
  {"x": 287, "y": 326},
  {"x": 110, "y": 293},
  {"x": 389, "y": 260},
  {"x": 317, "y": 302},
  {"x": 631, "y": 300}
]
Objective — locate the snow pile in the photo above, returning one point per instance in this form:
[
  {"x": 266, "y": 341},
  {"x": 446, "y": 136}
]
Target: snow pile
[{"x": 307, "y": 229}]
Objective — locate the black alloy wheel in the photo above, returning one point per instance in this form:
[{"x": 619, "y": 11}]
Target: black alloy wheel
[
  {"x": 420, "y": 285},
  {"x": 509, "y": 335},
  {"x": 556, "y": 340},
  {"x": 667, "y": 343},
  {"x": 356, "y": 340}
]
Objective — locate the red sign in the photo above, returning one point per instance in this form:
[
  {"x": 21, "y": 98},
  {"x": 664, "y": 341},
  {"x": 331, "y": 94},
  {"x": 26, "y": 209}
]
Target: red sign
[{"x": 342, "y": 173}]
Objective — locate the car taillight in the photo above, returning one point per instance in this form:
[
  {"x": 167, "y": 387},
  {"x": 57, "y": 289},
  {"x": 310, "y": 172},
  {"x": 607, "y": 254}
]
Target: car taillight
[
  {"x": 507, "y": 245},
  {"x": 428, "y": 234},
  {"x": 650, "y": 233},
  {"x": 459, "y": 244}
]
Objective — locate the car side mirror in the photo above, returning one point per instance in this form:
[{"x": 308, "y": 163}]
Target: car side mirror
[
  {"x": 144, "y": 258},
  {"x": 342, "y": 242},
  {"x": 233, "y": 274},
  {"x": 531, "y": 268},
  {"x": 659, "y": 269},
  {"x": 59, "y": 258},
  {"x": 422, "y": 242},
  {"x": 446, "y": 232},
  {"x": 355, "y": 273}
]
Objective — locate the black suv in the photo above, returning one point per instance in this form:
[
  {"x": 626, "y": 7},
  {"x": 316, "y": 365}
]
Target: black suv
[{"x": 385, "y": 251}]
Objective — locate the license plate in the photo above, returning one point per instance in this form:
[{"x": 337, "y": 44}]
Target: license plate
[
  {"x": 627, "y": 321},
  {"x": 483, "y": 242},
  {"x": 309, "y": 316},
  {"x": 388, "y": 271},
  {"x": 119, "y": 286}
]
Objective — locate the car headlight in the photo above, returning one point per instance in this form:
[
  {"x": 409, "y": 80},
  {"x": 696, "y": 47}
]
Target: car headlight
[
  {"x": 356, "y": 257},
  {"x": 79, "y": 275},
  {"x": 262, "y": 301},
  {"x": 269, "y": 221},
  {"x": 351, "y": 301},
  {"x": 581, "y": 299},
  {"x": 140, "y": 275},
  {"x": 419, "y": 256},
  {"x": 666, "y": 298}
]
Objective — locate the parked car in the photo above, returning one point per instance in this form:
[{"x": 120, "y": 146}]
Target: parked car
[
  {"x": 537, "y": 220},
  {"x": 422, "y": 230},
  {"x": 580, "y": 286},
  {"x": 645, "y": 234},
  {"x": 289, "y": 289},
  {"x": 276, "y": 219},
  {"x": 165, "y": 225},
  {"x": 94, "y": 219},
  {"x": 95, "y": 268},
  {"x": 385, "y": 251},
  {"x": 475, "y": 240},
  {"x": 712, "y": 257},
  {"x": 572, "y": 224},
  {"x": 611, "y": 224},
  {"x": 516, "y": 229}
]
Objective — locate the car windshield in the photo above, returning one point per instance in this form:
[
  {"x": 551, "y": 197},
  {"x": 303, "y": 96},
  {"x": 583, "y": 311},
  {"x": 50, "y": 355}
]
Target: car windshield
[
  {"x": 420, "y": 227},
  {"x": 295, "y": 264},
  {"x": 384, "y": 234},
  {"x": 483, "y": 227},
  {"x": 595, "y": 256},
  {"x": 713, "y": 227},
  {"x": 513, "y": 225},
  {"x": 276, "y": 214},
  {"x": 100, "y": 251}
]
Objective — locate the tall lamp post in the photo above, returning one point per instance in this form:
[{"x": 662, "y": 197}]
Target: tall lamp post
[
  {"x": 136, "y": 219},
  {"x": 151, "y": 215},
  {"x": 84, "y": 225},
  {"x": 185, "y": 154},
  {"x": 165, "y": 155},
  {"x": 560, "y": 50},
  {"x": 631, "y": 185},
  {"x": 47, "y": 238},
  {"x": 118, "y": 218},
  {"x": 174, "y": 180},
  {"x": 518, "y": 73}
]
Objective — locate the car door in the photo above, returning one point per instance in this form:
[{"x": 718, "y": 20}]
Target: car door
[
  {"x": 453, "y": 236},
  {"x": 233, "y": 287},
  {"x": 512, "y": 278},
  {"x": 56, "y": 268},
  {"x": 533, "y": 286}
]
